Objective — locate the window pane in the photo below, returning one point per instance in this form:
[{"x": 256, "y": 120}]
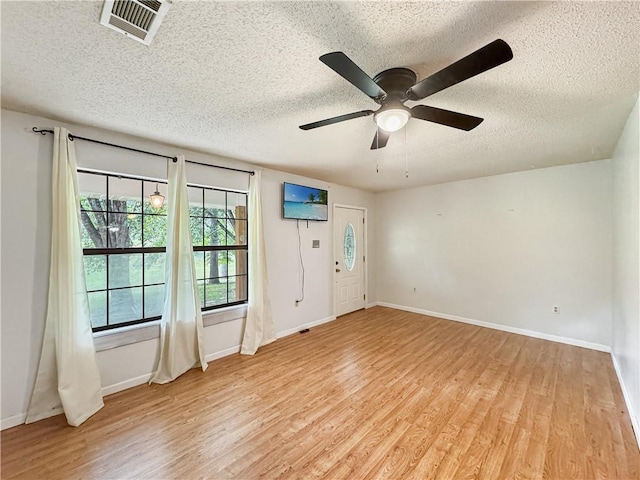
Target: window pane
[
  {"x": 154, "y": 265},
  {"x": 350, "y": 246},
  {"x": 214, "y": 203},
  {"x": 237, "y": 262},
  {"x": 231, "y": 263},
  {"x": 95, "y": 270},
  {"x": 94, "y": 229},
  {"x": 196, "y": 231},
  {"x": 98, "y": 308},
  {"x": 236, "y": 232},
  {"x": 125, "y": 270},
  {"x": 198, "y": 258},
  {"x": 215, "y": 264},
  {"x": 214, "y": 229},
  {"x": 124, "y": 230},
  {"x": 93, "y": 191},
  {"x": 237, "y": 203},
  {"x": 240, "y": 233},
  {"x": 229, "y": 230},
  {"x": 195, "y": 201},
  {"x": 201, "y": 292},
  {"x": 237, "y": 288},
  {"x": 125, "y": 305},
  {"x": 149, "y": 188},
  {"x": 153, "y": 301},
  {"x": 216, "y": 291},
  {"x": 155, "y": 231},
  {"x": 125, "y": 195}
]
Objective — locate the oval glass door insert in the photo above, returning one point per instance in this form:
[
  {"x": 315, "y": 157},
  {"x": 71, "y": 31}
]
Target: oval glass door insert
[{"x": 349, "y": 247}]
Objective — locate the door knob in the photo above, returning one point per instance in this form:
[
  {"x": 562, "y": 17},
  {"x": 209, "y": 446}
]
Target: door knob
[{"x": 337, "y": 269}]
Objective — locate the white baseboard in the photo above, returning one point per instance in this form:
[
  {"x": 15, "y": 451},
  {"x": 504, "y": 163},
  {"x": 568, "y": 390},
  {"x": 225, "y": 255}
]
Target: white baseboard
[
  {"x": 504, "y": 328},
  {"x": 221, "y": 353},
  {"x": 134, "y": 382},
  {"x": 370, "y": 305},
  {"x": 635, "y": 422},
  {"x": 13, "y": 421},
  {"x": 129, "y": 383},
  {"x": 291, "y": 331}
]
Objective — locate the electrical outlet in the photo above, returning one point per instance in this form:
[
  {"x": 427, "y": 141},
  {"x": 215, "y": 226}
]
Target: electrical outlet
[{"x": 555, "y": 309}]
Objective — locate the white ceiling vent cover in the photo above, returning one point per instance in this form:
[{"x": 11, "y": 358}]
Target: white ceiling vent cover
[{"x": 137, "y": 19}]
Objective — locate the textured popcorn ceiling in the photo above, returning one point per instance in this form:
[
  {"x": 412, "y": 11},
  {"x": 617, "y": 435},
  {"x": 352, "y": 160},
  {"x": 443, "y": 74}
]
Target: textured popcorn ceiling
[{"x": 236, "y": 79}]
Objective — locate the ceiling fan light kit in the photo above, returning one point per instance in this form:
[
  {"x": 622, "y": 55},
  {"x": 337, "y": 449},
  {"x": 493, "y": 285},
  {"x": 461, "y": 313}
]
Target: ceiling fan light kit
[
  {"x": 392, "y": 119},
  {"x": 393, "y": 87}
]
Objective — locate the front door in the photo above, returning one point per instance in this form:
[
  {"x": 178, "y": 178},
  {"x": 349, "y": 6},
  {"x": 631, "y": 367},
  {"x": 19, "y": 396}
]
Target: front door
[{"x": 349, "y": 258}]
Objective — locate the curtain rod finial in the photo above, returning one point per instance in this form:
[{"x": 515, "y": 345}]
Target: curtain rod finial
[{"x": 175, "y": 159}]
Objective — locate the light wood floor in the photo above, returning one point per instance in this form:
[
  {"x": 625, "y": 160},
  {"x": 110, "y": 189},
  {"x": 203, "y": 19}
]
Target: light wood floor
[{"x": 375, "y": 394}]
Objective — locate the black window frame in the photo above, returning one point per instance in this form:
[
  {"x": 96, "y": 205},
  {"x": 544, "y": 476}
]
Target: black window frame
[{"x": 106, "y": 252}]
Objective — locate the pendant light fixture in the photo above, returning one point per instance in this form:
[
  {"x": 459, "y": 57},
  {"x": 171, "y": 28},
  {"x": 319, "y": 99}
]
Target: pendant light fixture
[{"x": 156, "y": 199}]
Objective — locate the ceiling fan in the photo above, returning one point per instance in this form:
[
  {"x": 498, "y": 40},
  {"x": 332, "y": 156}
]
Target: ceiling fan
[{"x": 392, "y": 88}]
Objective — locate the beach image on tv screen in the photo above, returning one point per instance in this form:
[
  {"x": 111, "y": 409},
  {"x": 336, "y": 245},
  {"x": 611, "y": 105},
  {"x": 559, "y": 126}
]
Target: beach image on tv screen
[{"x": 306, "y": 203}]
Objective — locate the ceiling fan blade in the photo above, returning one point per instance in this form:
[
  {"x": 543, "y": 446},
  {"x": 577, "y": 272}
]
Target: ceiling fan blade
[
  {"x": 380, "y": 139},
  {"x": 446, "y": 117},
  {"x": 352, "y": 73},
  {"x": 341, "y": 118},
  {"x": 490, "y": 56}
]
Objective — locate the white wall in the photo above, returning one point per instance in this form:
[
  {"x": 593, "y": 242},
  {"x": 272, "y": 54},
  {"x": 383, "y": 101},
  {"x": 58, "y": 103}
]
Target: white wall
[
  {"x": 626, "y": 264},
  {"x": 25, "y": 243},
  {"x": 504, "y": 250}
]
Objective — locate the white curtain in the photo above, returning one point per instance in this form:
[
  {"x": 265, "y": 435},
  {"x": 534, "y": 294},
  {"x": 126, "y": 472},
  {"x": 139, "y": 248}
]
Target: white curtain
[
  {"x": 68, "y": 379},
  {"x": 181, "y": 333},
  {"x": 259, "y": 328}
]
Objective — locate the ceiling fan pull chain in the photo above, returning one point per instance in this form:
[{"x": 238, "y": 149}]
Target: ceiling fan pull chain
[
  {"x": 377, "y": 150},
  {"x": 406, "y": 161}
]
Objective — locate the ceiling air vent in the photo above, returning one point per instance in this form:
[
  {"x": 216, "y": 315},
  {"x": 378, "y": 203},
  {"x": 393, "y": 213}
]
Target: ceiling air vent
[{"x": 137, "y": 19}]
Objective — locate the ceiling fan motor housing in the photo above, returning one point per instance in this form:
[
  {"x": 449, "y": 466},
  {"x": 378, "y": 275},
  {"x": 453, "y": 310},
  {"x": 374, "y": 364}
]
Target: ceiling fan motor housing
[
  {"x": 396, "y": 82},
  {"x": 393, "y": 115}
]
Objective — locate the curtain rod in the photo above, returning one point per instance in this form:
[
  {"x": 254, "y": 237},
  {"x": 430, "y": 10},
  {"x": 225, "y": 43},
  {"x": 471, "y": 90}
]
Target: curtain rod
[{"x": 175, "y": 159}]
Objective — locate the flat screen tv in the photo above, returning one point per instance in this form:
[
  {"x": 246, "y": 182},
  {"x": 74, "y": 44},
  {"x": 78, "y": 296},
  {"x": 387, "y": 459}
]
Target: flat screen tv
[{"x": 304, "y": 203}]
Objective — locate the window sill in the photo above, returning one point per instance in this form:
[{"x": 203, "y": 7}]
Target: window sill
[{"x": 120, "y": 337}]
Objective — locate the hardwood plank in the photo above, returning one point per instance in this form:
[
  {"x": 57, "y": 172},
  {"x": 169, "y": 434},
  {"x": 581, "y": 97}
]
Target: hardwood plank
[
  {"x": 566, "y": 433},
  {"x": 542, "y": 388},
  {"x": 379, "y": 393}
]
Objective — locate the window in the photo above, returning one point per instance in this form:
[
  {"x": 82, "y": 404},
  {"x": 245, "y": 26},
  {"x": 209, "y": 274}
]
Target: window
[
  {"x": 124, "y": 244},
  {"x": 219, "y": 234},
  {"x": 349, "y": 247}
]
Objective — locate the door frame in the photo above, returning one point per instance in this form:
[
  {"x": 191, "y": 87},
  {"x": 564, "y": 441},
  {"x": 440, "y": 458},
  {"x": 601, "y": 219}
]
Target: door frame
[{"x": 365, "y": 248}]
